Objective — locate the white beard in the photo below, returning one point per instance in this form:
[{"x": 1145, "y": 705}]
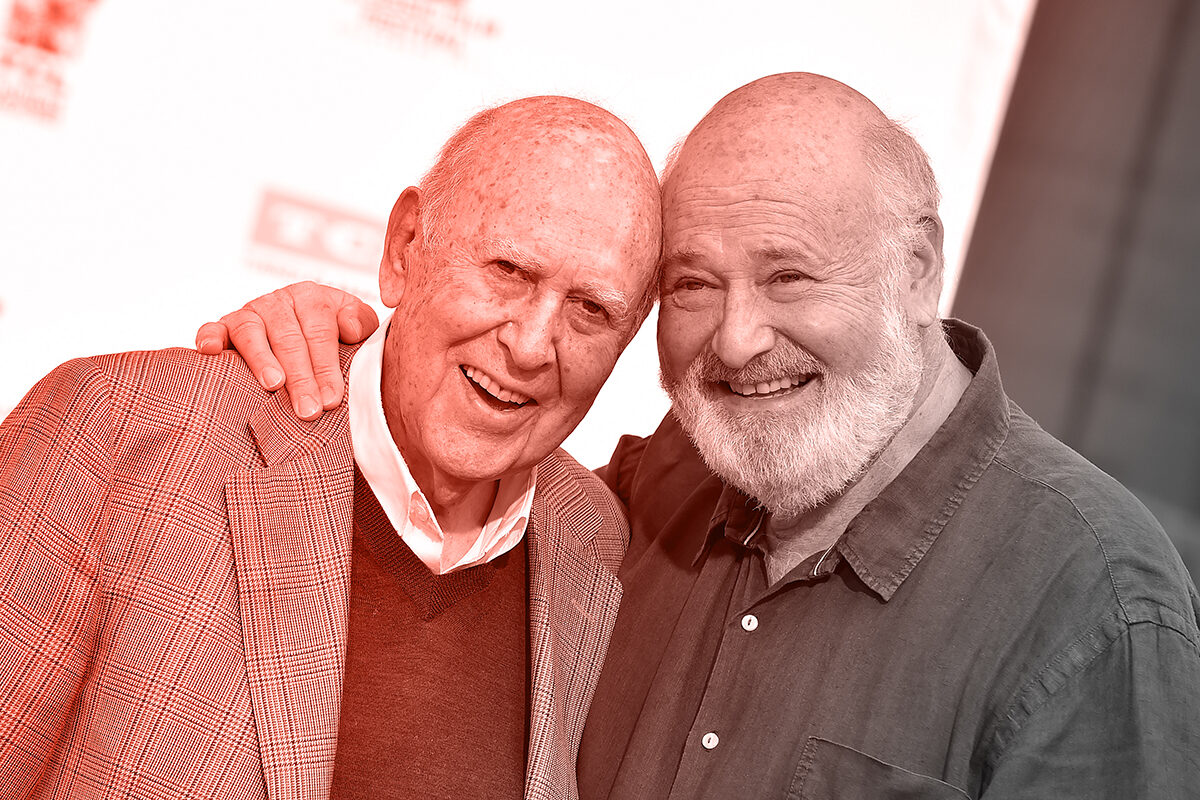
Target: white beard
[{"x": 795, "y": 459}]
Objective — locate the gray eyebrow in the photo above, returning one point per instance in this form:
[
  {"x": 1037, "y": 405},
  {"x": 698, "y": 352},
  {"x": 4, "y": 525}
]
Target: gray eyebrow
[
  {"x": 687, "y": 256},
  {"x": 610, "y": 299},
  {"x": 678, "y": 258},
  {"x": 508, "y": 250},
  {"x": 783, "y": 253}
]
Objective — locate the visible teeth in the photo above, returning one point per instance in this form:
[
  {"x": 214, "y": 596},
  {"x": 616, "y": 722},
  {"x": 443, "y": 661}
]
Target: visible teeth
[
  {"x": 750, "y": 389},
  {"x": 493, "y": 387}
]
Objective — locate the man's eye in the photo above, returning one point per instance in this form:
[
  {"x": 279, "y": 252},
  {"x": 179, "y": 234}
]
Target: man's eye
[
  {"x": 592, "y": 308},
  {"x": 507, "y": 267},
  {"x": 788, "y": 277},
  {"x": 693, "y": 294}
]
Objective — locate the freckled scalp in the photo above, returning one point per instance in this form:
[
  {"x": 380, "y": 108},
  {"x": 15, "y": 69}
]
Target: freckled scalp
[
  {"x": 573, "y": 140},
  {"x": 783, "y": 126},
  {"x": 564, "y": 161},
  {"x": 853, "y": 171}
]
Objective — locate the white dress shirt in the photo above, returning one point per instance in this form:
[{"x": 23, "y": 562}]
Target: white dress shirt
[{"x": 402, "y": 500}]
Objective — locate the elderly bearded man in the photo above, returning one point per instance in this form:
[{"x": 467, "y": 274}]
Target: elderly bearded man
[
  {"x": 858, "y": 570},
  {"x": 204, "y": 597}
]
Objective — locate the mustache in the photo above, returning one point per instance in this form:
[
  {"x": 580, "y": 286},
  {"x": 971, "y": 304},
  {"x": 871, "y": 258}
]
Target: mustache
[{"x": 784, "y": 360}]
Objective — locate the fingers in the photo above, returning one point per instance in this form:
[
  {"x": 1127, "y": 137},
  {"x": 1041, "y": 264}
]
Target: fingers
[
  {"x": 212, "y": 338},
  {"x": 271, "y": 331},
  {"x": 290, "y": 337},
  {"x": 316, "y": 311},
  {"x": 356, "y": 320},
  {"x": 248, "y": 336}
]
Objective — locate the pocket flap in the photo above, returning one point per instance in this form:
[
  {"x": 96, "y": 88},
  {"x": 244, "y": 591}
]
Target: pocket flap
[{"x": 832, "y": 771}]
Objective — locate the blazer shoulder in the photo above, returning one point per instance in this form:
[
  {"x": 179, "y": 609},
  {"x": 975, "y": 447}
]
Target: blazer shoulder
[
  {"x": 177, "y": 371},
  {"x": 92, "y": 392},
  {"x": 149, "y": 407},
  {"x": 565, "y": 483}
]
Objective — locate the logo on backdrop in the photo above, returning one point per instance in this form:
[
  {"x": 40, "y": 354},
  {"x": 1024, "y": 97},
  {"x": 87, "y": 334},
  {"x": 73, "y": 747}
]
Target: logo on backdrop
[
  {"x": 302, "y": 239},
  {"x": 41, "y": 39},
  {"x": 436, "y": 24}
]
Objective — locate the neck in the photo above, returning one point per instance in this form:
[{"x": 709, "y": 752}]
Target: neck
[
  {"x": 460, "y": 507},
  {"x": 790, "y": 541}
]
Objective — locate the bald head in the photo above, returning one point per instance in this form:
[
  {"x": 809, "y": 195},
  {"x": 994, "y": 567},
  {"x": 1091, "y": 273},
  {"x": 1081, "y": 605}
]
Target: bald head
[
  {"x": 798, "y": 122},
  {"x": 539, "y": 139},
  {"x": 801, "y": 274},
  {"x": 543, "y": 147},
  {"x": 822, "y": 138},
  {"x": 518, "y": 271}
]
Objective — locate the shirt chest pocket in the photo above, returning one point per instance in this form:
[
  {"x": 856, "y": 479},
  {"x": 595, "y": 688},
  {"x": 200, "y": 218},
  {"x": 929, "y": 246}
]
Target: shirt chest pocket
[{"x": 832, "y": 771}]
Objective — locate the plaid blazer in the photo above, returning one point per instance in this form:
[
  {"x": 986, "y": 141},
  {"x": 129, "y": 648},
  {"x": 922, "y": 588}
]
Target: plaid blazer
[{"x": 174, "y": 584}]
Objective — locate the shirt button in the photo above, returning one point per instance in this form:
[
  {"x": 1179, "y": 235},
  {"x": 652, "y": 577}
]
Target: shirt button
[
  {"x": 749, "y": 622},
  {"x": 710, "y": 741}
]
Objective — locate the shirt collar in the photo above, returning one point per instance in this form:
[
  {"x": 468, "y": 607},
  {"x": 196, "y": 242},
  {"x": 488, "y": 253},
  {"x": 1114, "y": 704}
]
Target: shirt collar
[
  {"x": 890, "y": 536},
  {"x": 383, "y": 467},
  {"x": 737, "y": 517}
]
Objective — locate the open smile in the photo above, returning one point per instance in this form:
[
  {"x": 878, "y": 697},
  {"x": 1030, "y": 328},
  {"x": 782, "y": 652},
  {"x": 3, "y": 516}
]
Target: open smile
[
  {"x": 493, "y": 392},
  {"x": 776, "y": 388}
]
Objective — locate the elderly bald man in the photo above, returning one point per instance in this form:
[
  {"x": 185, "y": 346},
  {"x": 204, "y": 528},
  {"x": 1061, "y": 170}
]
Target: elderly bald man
[
  {"x": 204, "y": 597},
  {"x": 857, "y": 569}
]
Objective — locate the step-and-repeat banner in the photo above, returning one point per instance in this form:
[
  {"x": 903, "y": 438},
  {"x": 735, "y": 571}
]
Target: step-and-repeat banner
[{"x": 162, "y": 163}]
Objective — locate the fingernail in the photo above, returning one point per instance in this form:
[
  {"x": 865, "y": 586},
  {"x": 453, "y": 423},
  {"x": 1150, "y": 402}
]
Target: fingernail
[
  {"x": 307, "y": 407},
  {"x": 272, "y": 377},
  {"x": 210, "y": 344},
  {"x": 328, "y": 396},
  {"x": 354, "y": 329}
]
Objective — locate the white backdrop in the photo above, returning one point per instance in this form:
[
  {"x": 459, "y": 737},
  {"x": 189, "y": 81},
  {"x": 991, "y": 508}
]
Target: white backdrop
[{"x": 165, "y": 162}]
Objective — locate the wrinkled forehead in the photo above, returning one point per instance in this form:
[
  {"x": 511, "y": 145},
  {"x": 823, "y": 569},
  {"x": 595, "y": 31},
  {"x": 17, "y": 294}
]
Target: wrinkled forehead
[
  {"x": 783, "y": 156},
  {"x": 810, "y": 139},
  {"x": 797, "y": 153},
  {"x": 730, "y": 200},
  {"x": 580, "y": 194}
]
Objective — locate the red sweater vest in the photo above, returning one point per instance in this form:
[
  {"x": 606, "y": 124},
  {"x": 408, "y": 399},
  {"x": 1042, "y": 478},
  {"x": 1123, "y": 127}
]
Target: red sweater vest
[{"x": 435, "y": 695}]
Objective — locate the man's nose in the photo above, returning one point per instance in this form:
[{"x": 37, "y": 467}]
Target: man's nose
[
  {"x": 530, "y": 332},
  {"x": 743, "y": 332}
]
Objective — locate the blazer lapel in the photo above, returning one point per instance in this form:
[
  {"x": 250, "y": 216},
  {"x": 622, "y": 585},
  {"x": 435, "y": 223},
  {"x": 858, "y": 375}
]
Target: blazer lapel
[
  {"x": 573, "y": 600},
  {"x": 291, "y": 525}
]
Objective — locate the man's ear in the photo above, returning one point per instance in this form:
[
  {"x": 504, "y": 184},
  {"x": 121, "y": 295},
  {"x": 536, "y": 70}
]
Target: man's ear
[
  {"x": 403, "y": 226},
  {"x": 923, "y": 288}
]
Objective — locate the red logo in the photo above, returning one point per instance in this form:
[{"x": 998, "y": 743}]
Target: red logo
[
  {"x": 304, "y": 239},
  {"x": 40, "y": 37},
  {"x": 441, "y": 24},
  {"x": 55, "y": 26}
]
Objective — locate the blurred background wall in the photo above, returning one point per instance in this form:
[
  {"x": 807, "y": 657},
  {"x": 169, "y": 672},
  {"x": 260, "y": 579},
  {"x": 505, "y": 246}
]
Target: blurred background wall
[
  {"x": 1084, "y": 265},
  {"x": 162, "y": 163}
]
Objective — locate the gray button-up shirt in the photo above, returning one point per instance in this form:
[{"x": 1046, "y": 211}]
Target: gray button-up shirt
[{"x": 1004, "y": 620}]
